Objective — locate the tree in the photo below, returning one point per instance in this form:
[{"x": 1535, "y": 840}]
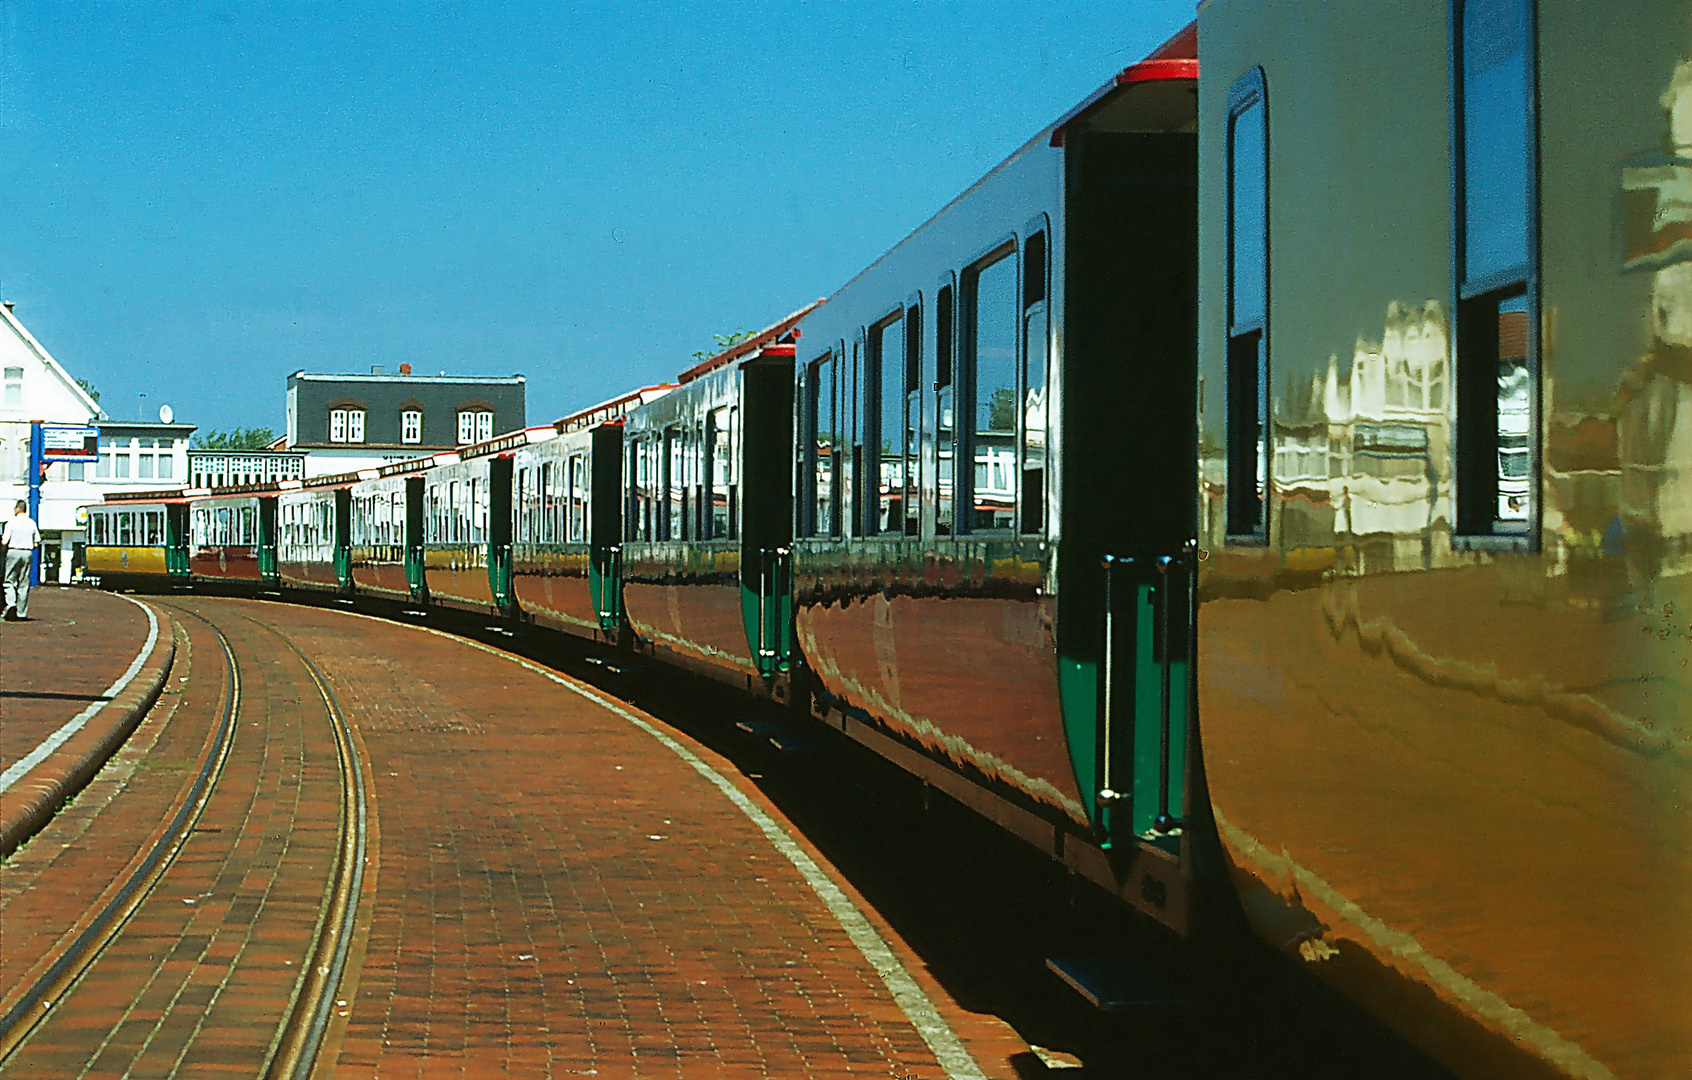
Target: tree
[
  {"x": 235, "y": 439},
  {"x": 88, "y": 388},
  {"x": 724, "y": 341},
  {"x": 1001, "y": 410}
]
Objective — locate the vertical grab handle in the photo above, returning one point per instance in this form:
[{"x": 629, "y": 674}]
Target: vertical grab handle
[
  {"x": 770, "y": 564},
  {"x": 1107, "y": 795},
  {"x": 1163, "y": 822},
  {"x": 763, "y": 593}
]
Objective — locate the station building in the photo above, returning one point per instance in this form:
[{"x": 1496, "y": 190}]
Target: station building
[
  {"x": 342, "y": 423},
  {"x": 35, "y": 387}
]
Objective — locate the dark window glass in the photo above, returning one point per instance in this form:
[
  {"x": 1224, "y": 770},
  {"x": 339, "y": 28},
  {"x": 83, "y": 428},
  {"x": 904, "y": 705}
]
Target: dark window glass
[
  {"x": 1035, "y": 335},
  {"x": 913, "y": 421},
  {"x": 994, "y": 323},
  {"x": 887, "y": 366},
  {"x": 851, "y": 436},
  {"x": 945, "y": 433},
  {"x": 826, "y": 461},
  {"x": 1496, "y": 395},
  {"x": 675, "y": 485},
  {"x": 1497, "y": 372},
  {"x": 719, "y": 437},
  {"x": 1495, "y": 126},
  {"x": 1248, "y": 460},
  {"x": 1248, "y": 216},
  {"x": 1034, "y": 270},
  {"x": 1247, "y": 419}
]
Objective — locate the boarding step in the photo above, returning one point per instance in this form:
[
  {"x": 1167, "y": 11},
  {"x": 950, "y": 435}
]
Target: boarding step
[
  {"x": 777, "y": 735},
  {"x": 1120, "y": 983}
]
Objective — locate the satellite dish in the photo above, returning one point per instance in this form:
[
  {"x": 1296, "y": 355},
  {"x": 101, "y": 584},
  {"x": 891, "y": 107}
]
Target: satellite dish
[{"x": 165, "y": 415}]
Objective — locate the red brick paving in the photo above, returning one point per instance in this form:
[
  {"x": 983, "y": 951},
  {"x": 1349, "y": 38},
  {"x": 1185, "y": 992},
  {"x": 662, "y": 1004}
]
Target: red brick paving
[
  {"x": 74, "y": 646},
  {"x": 50, "y": 882},
  {"x": 550, "y": 891},
  {"x": 201, "y": 977},
  {"x": 558, "y": 894}
]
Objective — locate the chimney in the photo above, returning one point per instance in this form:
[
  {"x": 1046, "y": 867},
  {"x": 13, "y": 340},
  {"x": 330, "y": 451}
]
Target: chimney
[
  {"x": 405, "y": 369},
  {"x": 378, "y": 369}
]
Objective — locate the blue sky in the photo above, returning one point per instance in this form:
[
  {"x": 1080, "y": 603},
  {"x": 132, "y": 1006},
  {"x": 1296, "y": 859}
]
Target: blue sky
[{"x": 199, "y": 199}]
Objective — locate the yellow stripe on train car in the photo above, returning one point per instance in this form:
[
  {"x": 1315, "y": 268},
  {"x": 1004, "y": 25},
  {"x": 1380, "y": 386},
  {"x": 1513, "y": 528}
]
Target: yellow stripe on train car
[{"x": 125, "y": 560}]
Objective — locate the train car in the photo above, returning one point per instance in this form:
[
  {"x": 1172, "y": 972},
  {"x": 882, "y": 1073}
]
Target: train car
[
  {"x": 314, "y": 534},
  {"x": 385, "y": 533},
  {"x": 232, "y": 538},
  {"x": 1445, "y": 485},
  {"x": 468, "y": 518},
  {"x": 993, "y": 513},
  {"x": 567, "y": 533},
  {"x": 707, "y": 525},
  {"x": 138, "y": 540}
]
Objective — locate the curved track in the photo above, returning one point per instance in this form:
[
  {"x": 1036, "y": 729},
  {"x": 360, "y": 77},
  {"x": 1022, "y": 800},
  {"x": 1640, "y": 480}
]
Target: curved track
[{"x": 305, "y": 1004}]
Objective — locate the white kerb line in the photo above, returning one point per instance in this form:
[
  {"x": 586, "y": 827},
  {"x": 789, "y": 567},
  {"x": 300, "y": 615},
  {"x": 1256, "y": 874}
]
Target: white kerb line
[
  {"x": 950, "y": 1051},
  {"x": 19, "y": 769}
]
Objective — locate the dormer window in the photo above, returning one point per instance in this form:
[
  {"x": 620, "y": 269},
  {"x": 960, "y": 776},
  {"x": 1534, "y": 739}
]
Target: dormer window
[
  {"x": 411, "y": 426},
  {"x": 474, "y": 426},
  {"x": 346, "y": 425}
]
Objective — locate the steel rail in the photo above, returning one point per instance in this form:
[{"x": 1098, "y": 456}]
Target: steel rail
[
  {"x": 62, "y": 975},
  {"x": 299, "y": 1038}
]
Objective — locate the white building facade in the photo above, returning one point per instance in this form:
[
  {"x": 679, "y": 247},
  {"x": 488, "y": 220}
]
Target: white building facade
[{"x": 133, "y": 456}]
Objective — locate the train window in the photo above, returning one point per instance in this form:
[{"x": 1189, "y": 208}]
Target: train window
[
  {"x": 991, "y": 352},
  {"x": 945, "y": 434},
  {"x": 1247, "y": 398},
  {"x": 849, "y": 435},
  {"x": 1497, "y": 376},
  {"x": 675, "y": 484},
  {"x": 1035, "y": 335},
  {"x": 826, "y": 464},
  {"x": 719, "y": 434},
  {"x": 886, "y": 370},
  {"x": 913, "y": 421},
  {"x": 578, "y": 500}
]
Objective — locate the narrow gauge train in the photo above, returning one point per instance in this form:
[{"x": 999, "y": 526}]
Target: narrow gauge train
[{"x": 1329, "y": 406}]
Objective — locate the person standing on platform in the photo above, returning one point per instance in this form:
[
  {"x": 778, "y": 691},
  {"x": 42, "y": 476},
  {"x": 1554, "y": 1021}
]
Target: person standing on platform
[{"x": 20, "y": 538}]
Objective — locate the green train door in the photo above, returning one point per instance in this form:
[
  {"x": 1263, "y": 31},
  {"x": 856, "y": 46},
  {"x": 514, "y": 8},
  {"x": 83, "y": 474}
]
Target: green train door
[
  {"x": 343, "y": 539},
  {"x": 1128, "y": 478},
  {"x": 176, "y": 540},
  {"x": 766, "y": 528},
  {"x": 415, "y": 578},
  {"x": 499, "y": 534},
  {"x": 605, "y": 528},
  {"x": 269, "y": 573}
]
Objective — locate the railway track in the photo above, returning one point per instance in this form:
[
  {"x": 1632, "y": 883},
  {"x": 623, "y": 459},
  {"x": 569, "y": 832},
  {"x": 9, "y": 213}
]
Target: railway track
[{"x": 292, "y": 1050}]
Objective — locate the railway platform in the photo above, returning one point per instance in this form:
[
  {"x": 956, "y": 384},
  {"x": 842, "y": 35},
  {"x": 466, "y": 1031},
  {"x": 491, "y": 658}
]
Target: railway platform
[{"x": 339, "y": 846}]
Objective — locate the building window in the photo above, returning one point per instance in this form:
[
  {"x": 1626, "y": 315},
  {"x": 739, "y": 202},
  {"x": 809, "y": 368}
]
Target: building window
[
  {"x": 14, "y": 386},
  {"x": 346, "y": 425},
  {"x": 411, "y": 426},
  {"x": 1247, "y": 402},
  {"x": 1497, "y": 304},
  {"x": 474, "y": 426}
]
